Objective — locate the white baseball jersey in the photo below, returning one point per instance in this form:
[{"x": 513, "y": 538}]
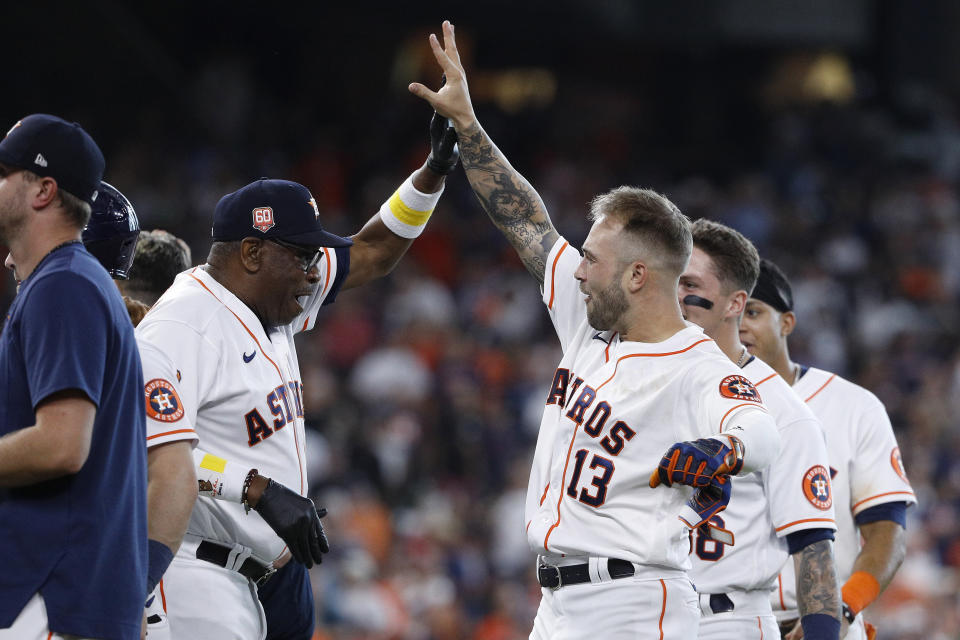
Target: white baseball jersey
[
  {"x": 215, "y": 376},
  {"x": 614, "y": 408},
  {"x": 792, "y": 494},
  {"x": 864, "y": 460}
]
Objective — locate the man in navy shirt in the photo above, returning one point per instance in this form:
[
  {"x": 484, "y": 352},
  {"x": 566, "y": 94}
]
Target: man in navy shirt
[{"x": 73, "y": 536}]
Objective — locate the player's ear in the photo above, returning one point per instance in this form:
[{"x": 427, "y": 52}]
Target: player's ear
[
  {"x": 251, "y": 254},
  {"x": 637, "y": 275},
  {"x": 738, "y": 302},
  {"x": 787, "y": 322}
]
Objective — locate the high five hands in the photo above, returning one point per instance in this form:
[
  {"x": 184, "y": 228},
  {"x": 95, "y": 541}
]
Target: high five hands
[{"x": 452, "y": 100}]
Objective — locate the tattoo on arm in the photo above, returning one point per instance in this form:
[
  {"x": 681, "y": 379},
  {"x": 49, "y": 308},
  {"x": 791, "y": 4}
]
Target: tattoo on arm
[
  {"x": 512, "y": 203},
  {"x": 817, "y": 588}
]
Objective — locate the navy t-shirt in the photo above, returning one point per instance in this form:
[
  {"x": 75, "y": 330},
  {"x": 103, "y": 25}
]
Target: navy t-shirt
[{"x": 80, "y": 540}]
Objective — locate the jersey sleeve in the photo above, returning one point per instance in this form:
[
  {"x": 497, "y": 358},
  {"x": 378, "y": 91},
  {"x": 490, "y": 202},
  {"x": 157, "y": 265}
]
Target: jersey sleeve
[
  {"x": 178, "y": 365},
  {"x": 561, "y": 291},
  {"x": 798, "y": 481},
  {"x": 334, "y": 266},
  {"x": 877, "y": 474},
  {"x": 65, "y": 331}
]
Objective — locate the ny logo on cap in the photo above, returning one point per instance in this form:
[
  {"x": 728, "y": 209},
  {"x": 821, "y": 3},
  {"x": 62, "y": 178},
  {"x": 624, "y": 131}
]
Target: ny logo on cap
[{"x": 263, "y": 219}]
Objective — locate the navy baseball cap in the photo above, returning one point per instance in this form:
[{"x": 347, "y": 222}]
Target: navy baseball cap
[
  {"x": 278, "y": 209},
  {"x": 52, "y": 147}
]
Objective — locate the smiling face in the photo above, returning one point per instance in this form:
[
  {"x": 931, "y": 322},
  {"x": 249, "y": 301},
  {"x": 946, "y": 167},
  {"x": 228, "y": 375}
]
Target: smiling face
[
  {"x": 600, "y": 274},
  {"x": 280, "y": 281}
]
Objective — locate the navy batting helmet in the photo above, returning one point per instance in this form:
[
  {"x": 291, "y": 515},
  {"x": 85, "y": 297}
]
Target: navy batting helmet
[{"x": 111, "y": 235}]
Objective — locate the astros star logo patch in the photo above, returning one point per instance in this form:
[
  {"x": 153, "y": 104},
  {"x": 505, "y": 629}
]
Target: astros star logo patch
[
  {"x": 739, "y": 388},
  {"x": 163, "y": 403},
  {"x": 816, "y": 487}
]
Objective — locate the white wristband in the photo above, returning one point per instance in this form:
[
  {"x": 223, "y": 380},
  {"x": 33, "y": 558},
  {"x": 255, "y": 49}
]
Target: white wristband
[
  {"x": 219, "y": 478},
  {"x": 407, "y": 211}
]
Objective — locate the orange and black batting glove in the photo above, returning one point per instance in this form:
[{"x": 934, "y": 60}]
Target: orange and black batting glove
[{"x": 696, "y": 463}]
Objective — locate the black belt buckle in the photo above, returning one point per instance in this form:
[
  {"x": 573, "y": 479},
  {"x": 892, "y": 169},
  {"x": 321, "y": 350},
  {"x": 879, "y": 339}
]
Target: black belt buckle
[
  {"x": 720, "y": 603},
  {"x": 549, "y": 576}
]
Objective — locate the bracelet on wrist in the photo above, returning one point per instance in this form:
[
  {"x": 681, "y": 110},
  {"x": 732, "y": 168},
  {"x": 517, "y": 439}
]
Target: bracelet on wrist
[{"x": 246, "y": 488}]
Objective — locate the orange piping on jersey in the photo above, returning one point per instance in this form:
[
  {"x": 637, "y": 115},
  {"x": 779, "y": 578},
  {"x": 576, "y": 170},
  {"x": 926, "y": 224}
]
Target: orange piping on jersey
[
  {"x": 880, "y": 495},
  {"x": 663, "y": 607},
  {"x": 772, "y": 375},
  {"x": 163, "y": 596},
  {"x": 829, "y": 380},
  {"x": 326, "y": 279},
  {"x": 796, "y": 522},
  {"x": 760, "y": 626},
  {"x": 606, "y": 352},
  {"x": 732, "y": 409},
  {"x": 553, "y": 274},
  {"x": 50, "y": 636},
  {"x": 783, "y": 605},
  {"x": 544, "y": 496},
  {"x": 529, "y": 522},
  {"x": 296, "y": 440},
  {"x": 169, "y": 433},
  {"x": 648, "y": 355},
  {"x": 563, "y": 481}
]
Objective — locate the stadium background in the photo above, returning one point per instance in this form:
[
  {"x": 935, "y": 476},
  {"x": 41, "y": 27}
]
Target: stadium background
[{"x": 826, "y": 131}]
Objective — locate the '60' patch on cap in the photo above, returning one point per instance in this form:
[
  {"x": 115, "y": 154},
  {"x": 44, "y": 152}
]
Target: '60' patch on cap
[
  {"x": 263, "y": 219},
  {"x": 163, "y": 403}
]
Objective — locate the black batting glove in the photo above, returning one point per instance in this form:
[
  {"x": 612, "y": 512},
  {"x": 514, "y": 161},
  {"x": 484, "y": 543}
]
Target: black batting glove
[
  {"x": 296, "y": 520},
  {"x": 444, "y": 151}
]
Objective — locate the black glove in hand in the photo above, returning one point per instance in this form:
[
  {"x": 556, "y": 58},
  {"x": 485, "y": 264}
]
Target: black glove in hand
[
  {"x": 444, "y": 152},
  {"x": 296, "y": 520}
]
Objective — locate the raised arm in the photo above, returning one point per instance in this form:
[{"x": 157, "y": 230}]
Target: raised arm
[{"x": 511, "y": 202}]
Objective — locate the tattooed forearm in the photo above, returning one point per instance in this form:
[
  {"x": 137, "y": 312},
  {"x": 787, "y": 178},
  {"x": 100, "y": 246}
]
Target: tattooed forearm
[
  {"x": 817, "y": 587},
  {"x": 512, "y": 203}
]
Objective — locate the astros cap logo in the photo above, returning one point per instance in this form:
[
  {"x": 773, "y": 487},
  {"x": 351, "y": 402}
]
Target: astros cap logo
[
  {"x": 163, "y": 403},
  {"x": 19, "y": 122},
  {"x": 816, "y": 487},
  {"x": 263, "y": 219},
  {"x": 316, "y": 212},
  {"x": 739, "y": 388}
]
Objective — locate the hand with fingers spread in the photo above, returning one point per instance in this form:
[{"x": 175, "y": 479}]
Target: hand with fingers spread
[{"x": 452, "y": 100}]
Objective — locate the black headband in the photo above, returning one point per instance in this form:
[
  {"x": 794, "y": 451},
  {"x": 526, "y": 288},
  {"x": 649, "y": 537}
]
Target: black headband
[{"x": 772, "y": 287}]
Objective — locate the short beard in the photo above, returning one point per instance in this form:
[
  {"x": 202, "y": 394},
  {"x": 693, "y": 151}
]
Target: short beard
[{"x": 608, "y": 307}]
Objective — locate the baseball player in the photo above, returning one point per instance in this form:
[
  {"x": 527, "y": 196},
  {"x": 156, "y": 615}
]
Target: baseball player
[
  {"x": 222, "y": 373},
  {"x": 160, "y": 256},
  {"x": 635, "y": 380},
  {"x": 786, "y": 508},
  {"x": 147, "y": 271},
  {"x": 870, "y": 486},
  {"x": 73, "y": 525}
]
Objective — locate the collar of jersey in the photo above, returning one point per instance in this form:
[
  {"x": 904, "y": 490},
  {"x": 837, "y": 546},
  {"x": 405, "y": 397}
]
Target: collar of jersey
[
  {"x": 680, "y": 340},
  {"x": 242, "y": 312}
]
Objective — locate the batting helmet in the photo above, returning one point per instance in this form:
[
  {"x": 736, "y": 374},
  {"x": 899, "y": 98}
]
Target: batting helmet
[{"x": 111, "y": 235}]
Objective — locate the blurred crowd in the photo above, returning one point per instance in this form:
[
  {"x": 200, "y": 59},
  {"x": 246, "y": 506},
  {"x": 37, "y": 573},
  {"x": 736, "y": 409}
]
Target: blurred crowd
[{"x": 423, "y": 391}]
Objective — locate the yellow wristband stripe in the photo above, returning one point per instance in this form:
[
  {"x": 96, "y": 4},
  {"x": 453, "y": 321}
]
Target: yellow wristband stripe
[
  {"x": 213, "y": 463},
  {"x": 405, "y": 214}
]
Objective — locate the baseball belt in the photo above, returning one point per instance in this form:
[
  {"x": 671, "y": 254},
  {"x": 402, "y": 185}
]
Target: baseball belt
[
  {"x": 552, "y": 577},
  {"x": 219, "y": 554}
]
